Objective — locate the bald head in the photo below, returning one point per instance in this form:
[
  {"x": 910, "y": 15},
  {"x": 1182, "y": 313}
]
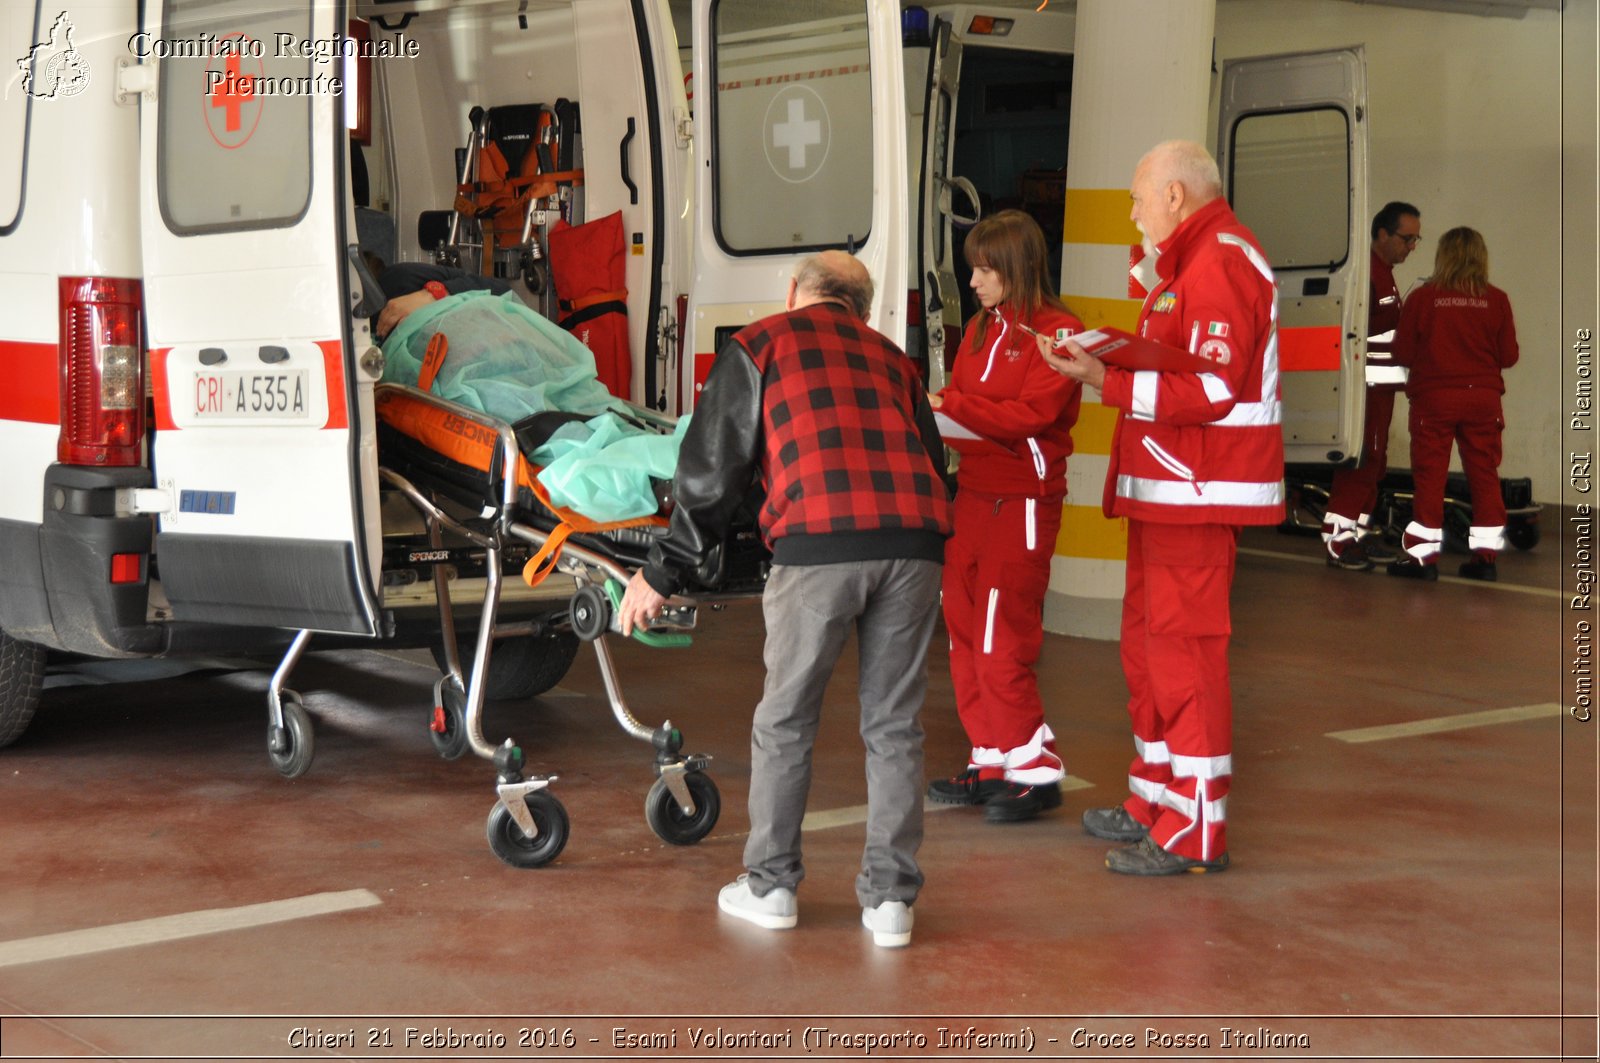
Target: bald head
[
  {"x": 832, "y": 277},
  {"x": 1173, "y": 180}
]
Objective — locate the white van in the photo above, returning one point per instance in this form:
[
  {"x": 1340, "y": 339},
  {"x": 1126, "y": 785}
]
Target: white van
[{"x": 187, "y": 437}]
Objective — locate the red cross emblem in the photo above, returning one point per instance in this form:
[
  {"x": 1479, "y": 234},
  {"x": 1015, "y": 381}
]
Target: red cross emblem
[{"x": 227, "y": 95}]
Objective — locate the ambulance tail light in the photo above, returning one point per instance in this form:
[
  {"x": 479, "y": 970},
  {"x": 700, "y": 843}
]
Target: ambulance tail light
[
  {"x": 102, "y": 372},
  {"x": 913, "y": 308}
]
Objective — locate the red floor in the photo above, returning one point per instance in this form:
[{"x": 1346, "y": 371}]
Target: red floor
[{"x": 1430, "y": 896}]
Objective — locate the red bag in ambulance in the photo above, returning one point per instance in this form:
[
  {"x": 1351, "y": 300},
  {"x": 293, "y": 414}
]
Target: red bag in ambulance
[{"x": 587, "y": 264}]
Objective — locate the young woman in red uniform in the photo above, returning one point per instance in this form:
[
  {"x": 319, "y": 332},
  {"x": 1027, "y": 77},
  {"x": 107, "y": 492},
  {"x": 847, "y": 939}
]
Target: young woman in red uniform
[
  {"x": 1010, "y": 488},
  {"x": 1456, "y": 335}
]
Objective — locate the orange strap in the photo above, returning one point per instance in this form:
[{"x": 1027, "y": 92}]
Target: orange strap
[
  {"x": 438, "y": 347},
  {"x": 541, "y": 564},
  {"x": 584, "y": 302}
]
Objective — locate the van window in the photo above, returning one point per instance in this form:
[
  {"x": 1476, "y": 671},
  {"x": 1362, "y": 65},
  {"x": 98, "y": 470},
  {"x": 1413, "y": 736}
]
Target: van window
[
  {"x": 1291, "y": 184},
  {"x": 234, "y": 139},
  {"x": 793, "y": 151}
]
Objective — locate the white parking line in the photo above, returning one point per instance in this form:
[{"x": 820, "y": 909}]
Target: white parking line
[
  {"x": 1448, "y": 723},
  {"x": 844, "y": 817},
  {"x": 175, "y": 927},
  {"x": 1304, "y": 559}
]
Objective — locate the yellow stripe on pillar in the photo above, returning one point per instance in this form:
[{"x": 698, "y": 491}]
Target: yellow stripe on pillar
[
  {"x": 1097, "y": 313},
  {"x": 1098, "y": 216}
]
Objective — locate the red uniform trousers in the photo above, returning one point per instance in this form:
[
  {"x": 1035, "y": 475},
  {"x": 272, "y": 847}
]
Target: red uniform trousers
[
  {"x": 996, "y": 571},
  {"x": 1175, "y": 628},
  {"x": 1471, "y": 418},
  {"x": 1355, "y": 491}
]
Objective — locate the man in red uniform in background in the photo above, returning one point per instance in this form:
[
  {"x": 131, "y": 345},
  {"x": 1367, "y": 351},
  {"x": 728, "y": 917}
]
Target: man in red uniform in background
[
  {"x": 1395, "y": 231},
  {"x": 1195, "y": 456}
]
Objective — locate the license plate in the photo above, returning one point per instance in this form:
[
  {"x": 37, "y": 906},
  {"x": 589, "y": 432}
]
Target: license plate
[{"x": 245, "y": 394}]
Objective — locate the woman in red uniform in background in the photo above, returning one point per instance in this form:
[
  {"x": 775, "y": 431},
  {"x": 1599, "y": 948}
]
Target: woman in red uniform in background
[
  {"x": 1456, "y": 335},
  {"x": 1010, "y": 488}
]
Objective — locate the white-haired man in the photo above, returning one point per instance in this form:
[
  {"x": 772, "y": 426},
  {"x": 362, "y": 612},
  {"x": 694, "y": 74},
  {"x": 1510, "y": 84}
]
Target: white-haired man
[{"x": 1195, "y": 457}]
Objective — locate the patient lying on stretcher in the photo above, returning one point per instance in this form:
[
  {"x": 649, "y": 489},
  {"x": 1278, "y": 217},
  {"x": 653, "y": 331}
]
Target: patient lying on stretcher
[{"x": 505, "y": 360}]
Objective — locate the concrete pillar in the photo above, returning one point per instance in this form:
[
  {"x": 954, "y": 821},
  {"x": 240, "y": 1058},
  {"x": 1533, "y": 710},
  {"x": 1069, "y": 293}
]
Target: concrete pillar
[{"x": 1141, "y": 74}]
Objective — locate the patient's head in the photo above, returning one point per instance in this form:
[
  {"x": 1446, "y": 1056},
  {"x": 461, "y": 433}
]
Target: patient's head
[{"x": 832, "y": 277}]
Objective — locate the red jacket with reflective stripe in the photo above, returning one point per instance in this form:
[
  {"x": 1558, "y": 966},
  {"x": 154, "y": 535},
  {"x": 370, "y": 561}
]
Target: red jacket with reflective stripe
[
  {"x": 1383, "y": 316},
  {"x": 1196, "y": 448},
  {"x": 1454, "y": 339}
]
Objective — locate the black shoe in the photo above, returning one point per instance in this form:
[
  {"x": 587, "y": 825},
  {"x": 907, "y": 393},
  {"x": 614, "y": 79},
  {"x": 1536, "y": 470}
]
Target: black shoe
[
  {"x": 1114, "y": 824},
  {"x": 1414, "y": 570},
  {"x": 1148, "y": 858},
  {"x": 1378, "y": 551},
  {"x": 964, "y": 789},
  {"x": 1351, "y": 556},
  {"x": 1475, "y": 569},
  {"x": 1018, "y": 802}
]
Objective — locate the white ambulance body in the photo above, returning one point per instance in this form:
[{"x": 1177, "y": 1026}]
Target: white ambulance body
[{"x": 188, "y": 446}]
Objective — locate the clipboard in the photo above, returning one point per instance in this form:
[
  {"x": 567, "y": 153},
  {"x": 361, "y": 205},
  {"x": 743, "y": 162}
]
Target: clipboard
[{"x": 1124, "y": 350}]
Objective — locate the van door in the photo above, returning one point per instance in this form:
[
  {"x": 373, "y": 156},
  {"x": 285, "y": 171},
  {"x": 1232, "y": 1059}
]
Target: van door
[
  {"x": 260, "y": 405},
  {"x": 1292, "y": 145},
  {"x": 942, "y": 196},
  {"x": 799, "y": 146}
]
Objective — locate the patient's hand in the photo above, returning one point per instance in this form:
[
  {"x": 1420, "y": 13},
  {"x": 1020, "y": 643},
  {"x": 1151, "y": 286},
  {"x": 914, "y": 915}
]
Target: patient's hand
[
  {"x": 396, "y": 309},
  {"x": 640, "y": 605}
]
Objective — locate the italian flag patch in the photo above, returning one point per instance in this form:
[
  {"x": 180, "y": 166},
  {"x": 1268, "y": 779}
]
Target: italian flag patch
[{"x": 1217, "y": 328}]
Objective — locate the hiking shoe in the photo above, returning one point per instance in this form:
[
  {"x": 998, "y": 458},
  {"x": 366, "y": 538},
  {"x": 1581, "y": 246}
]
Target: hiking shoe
[
  {"x": 1114, "y": 824},
  {"x": 775, "y": 910},
  {"x": 1351, "y": 556},
  {"x": 1016, "y": 802},
  {"x": 1148, "y": 858},
  {"x": 890, "y": 923},
  {"x": 1378, "y": 551},
  {"x": 964, "y": 789},
  {"x": 1414, "y": 570},
  {"x": 1475, "y": 569}
]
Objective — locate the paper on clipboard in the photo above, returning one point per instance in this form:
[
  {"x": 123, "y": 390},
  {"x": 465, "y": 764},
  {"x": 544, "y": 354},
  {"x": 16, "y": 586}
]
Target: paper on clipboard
[
  {"x": 950, "y": 428},
  {"x": 1124, "y": 350}
]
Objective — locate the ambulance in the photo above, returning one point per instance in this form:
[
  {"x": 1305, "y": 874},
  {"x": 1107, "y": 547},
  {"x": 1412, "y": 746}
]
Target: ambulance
[{"x": 196, "y": 197}]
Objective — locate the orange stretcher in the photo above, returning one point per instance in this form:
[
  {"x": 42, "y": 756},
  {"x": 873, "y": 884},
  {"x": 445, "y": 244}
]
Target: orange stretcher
[{"x": 450, "y": 462}]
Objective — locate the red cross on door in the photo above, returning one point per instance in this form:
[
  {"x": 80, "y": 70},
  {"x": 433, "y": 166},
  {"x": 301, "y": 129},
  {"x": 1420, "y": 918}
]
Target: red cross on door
[{"x": 232, "y": 109}]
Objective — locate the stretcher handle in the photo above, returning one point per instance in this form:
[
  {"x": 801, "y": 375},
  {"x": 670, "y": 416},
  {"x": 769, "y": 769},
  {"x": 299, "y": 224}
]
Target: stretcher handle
[
  {"x": 542, "y": 563},
  {"x": 660, "y": 639}
]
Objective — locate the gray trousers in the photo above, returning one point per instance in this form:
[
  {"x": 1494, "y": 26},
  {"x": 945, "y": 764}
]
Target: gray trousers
[{"x": 809, "y": 611}]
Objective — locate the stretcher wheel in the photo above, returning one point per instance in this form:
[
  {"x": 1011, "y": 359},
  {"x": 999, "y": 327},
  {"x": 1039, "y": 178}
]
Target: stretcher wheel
[
  {"x": 1523, "y": 536},
  {"x": 590, "y": 613},
  {"x": 291, "y": 746},
  {"x": 515, "y": 847},
  {"x": 523, "y": 667},
  {"x": 668, "y": 821},
  {"x": 448, "y": 728}
]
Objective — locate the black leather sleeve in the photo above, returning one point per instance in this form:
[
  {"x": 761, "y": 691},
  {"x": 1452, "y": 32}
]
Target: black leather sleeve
[
  {"x": 717, "y": 462},
  {"x": 928, "y": 429}
]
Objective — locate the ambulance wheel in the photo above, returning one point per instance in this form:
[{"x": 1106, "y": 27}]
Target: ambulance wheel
[
  {"x": 668, "y": 820},
  {"x": 448, "y": 728},
  {"x": 291, "y": 746},
  {"x": 1522, "y": 536},
  {"x": 515, "y": 847},
  {"x": 21, "y": 677},
  {"x": 521, "y": 668}
]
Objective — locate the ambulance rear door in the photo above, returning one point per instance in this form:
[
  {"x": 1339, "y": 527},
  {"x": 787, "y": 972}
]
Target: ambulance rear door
[
  {"x": 943, "y": 196},
  {"x": 258, "y": 397},
  {"x": 799, "y": 146},
  {"x": 1292, "y": 145}
]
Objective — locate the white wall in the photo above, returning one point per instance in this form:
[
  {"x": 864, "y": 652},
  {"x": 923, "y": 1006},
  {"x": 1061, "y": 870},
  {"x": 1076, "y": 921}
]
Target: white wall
[{"x": 1465, "y": 115}]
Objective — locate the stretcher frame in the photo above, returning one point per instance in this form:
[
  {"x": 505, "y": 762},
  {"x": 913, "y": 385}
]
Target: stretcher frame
[{"x": 527, "y": 826}]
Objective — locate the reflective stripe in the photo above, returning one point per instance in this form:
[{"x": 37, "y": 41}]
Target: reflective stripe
[
  {"x": 1152, "y": 752},
  {"x": 1202, "y": 767},
  {"x": 1338, "y": 528},
  {"x": 1386, "y": 374},
  {"x": 1486, "y": 538},
  {"x": 1031, "y": 763},
  {"x": 1170, "y": 463},
  {"x": 1249, "y": 252},
  {"x": 1382, "y": 337},
  {"x": 985, "y": 757},
  {"x": 1424, "y": 533},
  {"x": 1039, "y": 465},
  {"x": 1145, "y": 382},
  {"x": 1030, "y": 522},
  {"x": 1212, "y": 493},
  {"x": 1216, "y": 810},
  {"x": 1253, "y": 414},
  {"x": 1217, "y": 388},
  {"x": 1422, "y": 542},
  {"x": 1146, "y": 790},
  {"x": 995, "y": 346},
  {"x": 988, "y": 624}
]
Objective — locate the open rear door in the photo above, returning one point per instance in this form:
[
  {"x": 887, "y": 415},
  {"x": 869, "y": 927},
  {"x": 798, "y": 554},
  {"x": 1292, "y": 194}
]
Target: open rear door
[
  {"x": 943, "y": 197},
  {"x": 248, "y": 303},
  {"x": 786, "y": 165},
  {"x": 1293, "y": 150}
]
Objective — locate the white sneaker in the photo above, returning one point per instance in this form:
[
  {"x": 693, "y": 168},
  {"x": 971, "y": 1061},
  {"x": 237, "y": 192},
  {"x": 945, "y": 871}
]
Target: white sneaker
[
  {"x": 775, "y": 911},
  {"x": 890, "y": 923}
]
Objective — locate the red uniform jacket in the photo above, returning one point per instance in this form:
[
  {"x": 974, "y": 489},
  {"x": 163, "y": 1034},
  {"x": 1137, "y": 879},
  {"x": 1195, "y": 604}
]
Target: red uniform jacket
[
  {"x": 1203, "y": 447},
  {"x": 1452, "y": 339},
  {"x": 1383, "y": 315},
  {"x": 1006, "y": 393}
]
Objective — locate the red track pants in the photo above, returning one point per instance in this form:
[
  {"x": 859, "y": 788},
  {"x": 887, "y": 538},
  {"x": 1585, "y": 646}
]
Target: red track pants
[
  {"x": 1175, "y": 628},
  {"x": 996, "y": 571},
  {"x": 1471, "y": 418}
]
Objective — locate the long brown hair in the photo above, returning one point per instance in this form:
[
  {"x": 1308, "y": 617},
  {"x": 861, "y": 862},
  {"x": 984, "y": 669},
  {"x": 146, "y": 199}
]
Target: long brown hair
[
  {"x": 1011, "y": 243},
  {"x": 1462, "y": 262}
]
